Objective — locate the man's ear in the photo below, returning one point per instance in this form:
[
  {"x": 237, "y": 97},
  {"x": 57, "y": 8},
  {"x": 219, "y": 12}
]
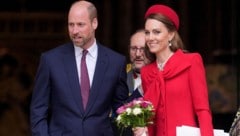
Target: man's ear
[{"x": 95, "y": 23}]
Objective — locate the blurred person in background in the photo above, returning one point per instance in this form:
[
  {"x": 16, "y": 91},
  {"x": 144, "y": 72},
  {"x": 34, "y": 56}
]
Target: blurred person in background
[{"x": 138, "y": 59}]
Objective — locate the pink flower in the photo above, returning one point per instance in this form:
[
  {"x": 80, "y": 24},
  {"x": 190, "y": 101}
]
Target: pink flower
[
  {"x": 130, "y": 104},
  {"x": 121, "y": 109},
  {"x": 144, "y": 105}
]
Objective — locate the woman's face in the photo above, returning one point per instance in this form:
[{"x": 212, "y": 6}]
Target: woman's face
[{"x": 157, "y": 36}]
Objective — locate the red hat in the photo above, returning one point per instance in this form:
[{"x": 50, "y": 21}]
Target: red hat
[{"x": 166, "y": 11}]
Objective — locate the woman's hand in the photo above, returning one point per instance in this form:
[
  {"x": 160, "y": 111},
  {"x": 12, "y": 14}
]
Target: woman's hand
[{"x": 140, "y": 131}]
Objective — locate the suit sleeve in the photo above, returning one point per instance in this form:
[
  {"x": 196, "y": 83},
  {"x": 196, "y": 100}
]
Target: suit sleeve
[
  {"x": 200, "y": 95},
  {"x": 121, "y": 94},
  {"x": 40, "y": 101}
]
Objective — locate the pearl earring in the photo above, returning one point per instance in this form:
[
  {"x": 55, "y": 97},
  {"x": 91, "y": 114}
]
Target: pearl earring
[{"x": 169, "y": 43}]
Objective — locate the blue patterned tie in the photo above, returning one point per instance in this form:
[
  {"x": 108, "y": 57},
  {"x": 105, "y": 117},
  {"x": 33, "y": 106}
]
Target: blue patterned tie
[{"x": 84, "y": 82}]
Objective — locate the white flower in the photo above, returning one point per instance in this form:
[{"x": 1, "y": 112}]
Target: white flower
[
  {"x": 128, "y": 110},
  {"x": 137, "y": 111},
  {"x": 119, "y": 118}
]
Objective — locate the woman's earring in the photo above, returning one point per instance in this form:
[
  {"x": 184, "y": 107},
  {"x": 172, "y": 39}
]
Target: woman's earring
[{"x": 169, "y": 43}]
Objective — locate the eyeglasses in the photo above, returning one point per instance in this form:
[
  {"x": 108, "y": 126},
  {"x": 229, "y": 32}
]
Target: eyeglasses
[{"x": 135, "y": 49}]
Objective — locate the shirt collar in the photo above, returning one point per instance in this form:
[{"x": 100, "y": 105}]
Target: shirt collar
[{"x": 92, "y": 50}]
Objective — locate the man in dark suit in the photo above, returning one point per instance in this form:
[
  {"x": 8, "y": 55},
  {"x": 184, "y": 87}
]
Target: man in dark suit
[
  {"x": 57, "y": 106},
  {"x": 138, "y": 59}
]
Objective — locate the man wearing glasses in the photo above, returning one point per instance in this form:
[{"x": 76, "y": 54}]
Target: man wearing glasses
[{"x": 138, "y": 59}]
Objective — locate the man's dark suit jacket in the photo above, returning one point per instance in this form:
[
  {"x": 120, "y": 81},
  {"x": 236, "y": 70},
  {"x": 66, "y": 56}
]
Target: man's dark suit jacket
[
  {"x": 133, "y": 94},
  {"x": 56, "y": 106}
]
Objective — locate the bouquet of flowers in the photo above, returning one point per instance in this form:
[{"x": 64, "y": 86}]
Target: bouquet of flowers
[{"x": 137, "y": 113}]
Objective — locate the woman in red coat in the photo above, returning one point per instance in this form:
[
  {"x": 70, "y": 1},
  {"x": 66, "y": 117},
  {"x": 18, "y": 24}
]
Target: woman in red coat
[{"x": 175, "y": 81}]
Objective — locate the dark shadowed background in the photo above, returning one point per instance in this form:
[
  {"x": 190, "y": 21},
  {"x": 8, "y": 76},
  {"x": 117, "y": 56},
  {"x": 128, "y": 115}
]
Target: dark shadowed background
[{"x": 30, "y": 27}]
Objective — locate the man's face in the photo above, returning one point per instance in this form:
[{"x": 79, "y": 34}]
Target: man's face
[
  {"x": 81, "y": 29},
  {"x": 137, "y": 55}
]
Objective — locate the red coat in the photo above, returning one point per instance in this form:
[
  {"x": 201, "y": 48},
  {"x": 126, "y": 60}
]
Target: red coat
[{"x": 179, "y": 94}]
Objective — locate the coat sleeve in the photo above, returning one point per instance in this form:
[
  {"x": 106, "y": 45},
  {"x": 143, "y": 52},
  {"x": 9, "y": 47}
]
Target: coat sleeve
[
  {"x": 121, "y": 95},
  {"x": 199, "y": 93},
  {"x": 40, "y": 100}
]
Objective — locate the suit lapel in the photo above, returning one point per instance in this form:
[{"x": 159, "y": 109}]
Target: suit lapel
[
  {"x": 71, "y": 70},
  {"x": 102, "y": 62}
]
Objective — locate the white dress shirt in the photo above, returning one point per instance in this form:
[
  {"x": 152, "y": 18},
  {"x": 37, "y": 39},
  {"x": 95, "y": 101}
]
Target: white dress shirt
[
  {"x": 91, "y": 59},
  {"x": 138, "y": 84}
]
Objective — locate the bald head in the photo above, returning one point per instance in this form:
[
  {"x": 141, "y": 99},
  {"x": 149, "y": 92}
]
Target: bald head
[
  {"x": 137, "y": 47},
  {"x": 82, "y": 23},
  {"x": 85, "y": 5}
]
